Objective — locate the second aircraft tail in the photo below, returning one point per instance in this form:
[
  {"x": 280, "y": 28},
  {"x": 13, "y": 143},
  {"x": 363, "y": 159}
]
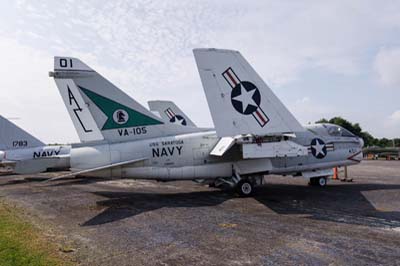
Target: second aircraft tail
[
  {"x": 170, "y": 112},
  {"x": 13, "y": 137}
]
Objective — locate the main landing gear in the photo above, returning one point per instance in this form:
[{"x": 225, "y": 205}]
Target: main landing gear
[
  {"x": 320, "y": 181},
  {"x": 244, "y": 188}
]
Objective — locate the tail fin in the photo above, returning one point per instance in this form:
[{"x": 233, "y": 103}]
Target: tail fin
[
  {"x": 240, "y": 102},
  {"x": 13, "y": 137},
  {"x": 99, "y": 110},
  {"x": 170, "y": 113}
]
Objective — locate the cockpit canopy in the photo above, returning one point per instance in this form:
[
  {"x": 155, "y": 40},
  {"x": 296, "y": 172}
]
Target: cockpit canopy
[{"x": 330, "y": 130}]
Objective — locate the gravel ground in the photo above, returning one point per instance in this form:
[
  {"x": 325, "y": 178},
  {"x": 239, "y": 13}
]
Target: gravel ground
[{"x": 130, "y": 222}]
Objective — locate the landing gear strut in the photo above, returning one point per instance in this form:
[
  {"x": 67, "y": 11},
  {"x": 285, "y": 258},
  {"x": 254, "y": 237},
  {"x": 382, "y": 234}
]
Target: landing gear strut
[{"x": 320, "y": 181}]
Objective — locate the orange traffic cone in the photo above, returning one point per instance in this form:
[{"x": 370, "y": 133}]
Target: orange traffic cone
[{"x": 335, "y": 173}]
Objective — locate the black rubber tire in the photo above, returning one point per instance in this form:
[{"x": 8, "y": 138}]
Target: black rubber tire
[
  {"x": 318, "y": 181},
  {"x": 322, "y": 181},
  {"x": 245, "y": 188}
]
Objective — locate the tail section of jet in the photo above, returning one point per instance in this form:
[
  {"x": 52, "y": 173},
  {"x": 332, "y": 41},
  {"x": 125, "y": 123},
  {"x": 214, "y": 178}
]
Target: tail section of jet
[
  {"x": 240, "y": 101},
  {"x": 170, "y": 113},
  {"x": 26, "y": 154},
  {"x": 100, "y": 110},
  {"x": 13, "y": 137}
]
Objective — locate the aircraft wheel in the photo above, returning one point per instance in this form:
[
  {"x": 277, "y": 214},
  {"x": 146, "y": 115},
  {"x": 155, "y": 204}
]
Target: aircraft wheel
[
  {"x": 245, "y": 188},
  {"x": 318, "y": 181}
]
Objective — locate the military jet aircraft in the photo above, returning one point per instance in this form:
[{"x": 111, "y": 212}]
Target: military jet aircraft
[
  {"x": 25, "y": 154},
  {"x": 255, "y": 134}
]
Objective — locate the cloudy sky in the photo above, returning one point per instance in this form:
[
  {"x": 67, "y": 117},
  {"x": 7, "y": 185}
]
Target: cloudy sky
[{"x": 321, "y": 58}]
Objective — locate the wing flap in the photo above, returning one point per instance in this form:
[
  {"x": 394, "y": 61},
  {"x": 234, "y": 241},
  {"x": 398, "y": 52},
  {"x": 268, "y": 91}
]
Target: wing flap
[
  {"x": 223, "y": 145},
  {"x": 273, "y": 150}
]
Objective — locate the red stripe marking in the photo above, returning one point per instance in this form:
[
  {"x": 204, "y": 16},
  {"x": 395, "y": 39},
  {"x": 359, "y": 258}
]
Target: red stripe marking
[
  {"x": 171, "y": 114},
  {"x": 231, "y": 78},
  {"x": 168, "y": 113},
  {"x": 261, "y": 117},
  {"x": 351, "y": 158}
]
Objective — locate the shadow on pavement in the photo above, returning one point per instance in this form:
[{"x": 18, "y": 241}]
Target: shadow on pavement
[{"x": 343, "y": 203}]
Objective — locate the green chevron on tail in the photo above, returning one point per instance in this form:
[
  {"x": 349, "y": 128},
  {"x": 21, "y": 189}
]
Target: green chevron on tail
[{"x": 118, "y": 115}]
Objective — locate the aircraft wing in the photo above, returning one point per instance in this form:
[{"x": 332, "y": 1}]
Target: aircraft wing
[{"x": 91, "y": 170}]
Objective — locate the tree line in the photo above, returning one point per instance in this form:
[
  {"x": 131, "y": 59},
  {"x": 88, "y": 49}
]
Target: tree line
[{"x": 356, "y": 129}]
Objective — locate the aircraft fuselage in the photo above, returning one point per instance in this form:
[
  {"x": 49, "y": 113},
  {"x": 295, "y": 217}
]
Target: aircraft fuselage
[
  {"x": 187, "y": 156},
  {"x": 37, "y": 159}
]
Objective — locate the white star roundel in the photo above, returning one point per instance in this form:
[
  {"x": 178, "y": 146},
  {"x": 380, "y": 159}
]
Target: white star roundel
[
  {"x": 178, "y": 120},
  {"x": 245, "y": 98},
  {"x": 318, "y": 148}
]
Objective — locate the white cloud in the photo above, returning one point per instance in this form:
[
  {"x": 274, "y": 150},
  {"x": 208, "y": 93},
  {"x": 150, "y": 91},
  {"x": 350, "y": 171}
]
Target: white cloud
[
  {"x": 387, "y": 66},
  {"x": 29, "y": 94},
  {"x": 395, "y": 117},
  {"x": 308, "y": 110},
  {"x": 392, "y": 125},
  {"x": 304, "y": 100}
]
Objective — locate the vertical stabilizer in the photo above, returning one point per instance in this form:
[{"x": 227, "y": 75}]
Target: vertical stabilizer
[
  {"x": 100, "y": 110},
  {"x": 240, "y": 101},
  {"x": 170, "y": 113},
  {"x": 13, "y": 137}
]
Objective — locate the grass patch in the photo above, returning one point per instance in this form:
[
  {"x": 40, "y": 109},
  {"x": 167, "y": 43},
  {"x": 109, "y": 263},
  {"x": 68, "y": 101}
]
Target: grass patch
[{"x": 22, "y": 244}]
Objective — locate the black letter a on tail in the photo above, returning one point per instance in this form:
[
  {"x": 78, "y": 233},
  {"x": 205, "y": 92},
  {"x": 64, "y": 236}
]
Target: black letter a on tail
[{"x": 78, "y": 109}]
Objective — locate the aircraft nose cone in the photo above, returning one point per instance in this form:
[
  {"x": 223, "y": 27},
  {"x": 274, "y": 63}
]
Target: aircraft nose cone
[{"x": 361, "y": 141}]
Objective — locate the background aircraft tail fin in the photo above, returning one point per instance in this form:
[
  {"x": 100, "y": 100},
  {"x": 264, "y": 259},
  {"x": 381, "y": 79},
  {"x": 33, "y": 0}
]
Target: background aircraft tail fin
[
  {"x": 100, "y": 110},
  {"x": 13, "y": 137},
  {"x": 170, "y": 113},
  {"x": 240, "y": 101}
]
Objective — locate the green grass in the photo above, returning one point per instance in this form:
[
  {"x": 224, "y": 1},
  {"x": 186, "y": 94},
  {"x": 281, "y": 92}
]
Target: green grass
[{"x": 22, "y": 244}]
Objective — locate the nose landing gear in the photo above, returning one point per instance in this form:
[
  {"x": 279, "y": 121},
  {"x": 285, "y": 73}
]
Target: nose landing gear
[{"x": 320, "y": 181}]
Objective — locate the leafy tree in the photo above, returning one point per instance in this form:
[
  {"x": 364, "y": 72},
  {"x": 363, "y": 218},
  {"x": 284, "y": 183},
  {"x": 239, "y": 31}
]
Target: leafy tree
[
  {"x": 322, "y": 120},
  {"x": 356, "y": 129}
]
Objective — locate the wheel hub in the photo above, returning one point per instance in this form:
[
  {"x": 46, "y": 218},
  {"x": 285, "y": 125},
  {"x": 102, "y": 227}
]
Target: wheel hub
[{"x": 246, "y": 188}]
